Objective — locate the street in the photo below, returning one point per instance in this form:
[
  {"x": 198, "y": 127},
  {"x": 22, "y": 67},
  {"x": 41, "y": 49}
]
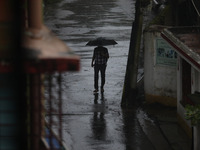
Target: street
[{"x": 96, "y": 121}]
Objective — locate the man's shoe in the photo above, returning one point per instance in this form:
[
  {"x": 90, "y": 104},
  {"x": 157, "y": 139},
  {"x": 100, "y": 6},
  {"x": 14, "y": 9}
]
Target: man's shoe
[{"x": 95, "y": 91}]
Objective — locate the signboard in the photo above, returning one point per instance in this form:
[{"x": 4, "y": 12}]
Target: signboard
[{"x": 165, "y": 54}]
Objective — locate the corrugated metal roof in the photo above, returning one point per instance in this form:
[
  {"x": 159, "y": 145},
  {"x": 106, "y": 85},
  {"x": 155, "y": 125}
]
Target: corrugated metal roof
[{"x": 186, "y": 41}]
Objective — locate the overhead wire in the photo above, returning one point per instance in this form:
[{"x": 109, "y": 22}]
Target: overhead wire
[{"x": 195, "y": 8}]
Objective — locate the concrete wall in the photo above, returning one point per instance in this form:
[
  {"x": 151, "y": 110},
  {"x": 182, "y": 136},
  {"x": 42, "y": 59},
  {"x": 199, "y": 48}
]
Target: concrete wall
[
  {"x": 196, "y": 138},
  {"x": 160, "y": 75},
  {"x": 195, "y": 80}
]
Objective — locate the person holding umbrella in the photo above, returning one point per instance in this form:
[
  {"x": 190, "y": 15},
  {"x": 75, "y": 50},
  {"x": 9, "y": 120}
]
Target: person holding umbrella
[
  {"x": 99, "y": 62},
  {"x": 99, "y": 59}
]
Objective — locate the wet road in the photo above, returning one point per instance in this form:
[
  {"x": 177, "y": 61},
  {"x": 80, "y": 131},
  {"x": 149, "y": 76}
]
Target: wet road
[{"x": 96, "y": 122}]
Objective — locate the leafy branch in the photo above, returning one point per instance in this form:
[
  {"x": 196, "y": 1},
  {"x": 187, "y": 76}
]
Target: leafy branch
[{"x": 193, "y": 114}]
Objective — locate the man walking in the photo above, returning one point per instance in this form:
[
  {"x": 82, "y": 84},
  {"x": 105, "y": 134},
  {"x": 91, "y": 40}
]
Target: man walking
[{"x": 99, "y": 61}]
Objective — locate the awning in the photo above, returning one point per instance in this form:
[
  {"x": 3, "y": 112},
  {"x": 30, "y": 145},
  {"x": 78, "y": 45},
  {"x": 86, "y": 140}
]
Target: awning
[
  {"x": 186, "y": 41},
  {"x": 43, "y": 52}
]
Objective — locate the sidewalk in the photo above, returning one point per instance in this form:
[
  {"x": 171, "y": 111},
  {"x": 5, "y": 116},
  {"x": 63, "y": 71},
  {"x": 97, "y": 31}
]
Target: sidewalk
[{"x": 166, "y": 129}]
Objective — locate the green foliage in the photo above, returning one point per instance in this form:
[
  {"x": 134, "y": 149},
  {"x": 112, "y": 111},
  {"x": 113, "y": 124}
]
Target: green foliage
[{"x": 193, "y": 114}]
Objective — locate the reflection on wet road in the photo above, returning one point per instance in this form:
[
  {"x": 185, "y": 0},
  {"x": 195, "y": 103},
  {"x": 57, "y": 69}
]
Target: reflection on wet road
[{"x": 98, "y": 122}]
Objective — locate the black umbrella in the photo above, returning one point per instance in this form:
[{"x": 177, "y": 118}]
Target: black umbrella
[{"x": 101, "y": 42}]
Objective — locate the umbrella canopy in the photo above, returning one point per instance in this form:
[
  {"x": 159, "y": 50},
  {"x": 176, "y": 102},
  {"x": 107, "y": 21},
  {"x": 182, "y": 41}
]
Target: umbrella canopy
[{"x": 101, "y": 42}]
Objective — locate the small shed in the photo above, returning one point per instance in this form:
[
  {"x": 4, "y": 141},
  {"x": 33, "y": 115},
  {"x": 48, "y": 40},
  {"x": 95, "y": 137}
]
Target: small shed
[{"x": 186, "y": 42}]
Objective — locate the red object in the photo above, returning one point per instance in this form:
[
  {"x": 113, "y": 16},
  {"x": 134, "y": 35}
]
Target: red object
[
  {"x": 51, "y": 65},
  {"x": 43, "y": 52},
  {"x": 7, "y": 10}
]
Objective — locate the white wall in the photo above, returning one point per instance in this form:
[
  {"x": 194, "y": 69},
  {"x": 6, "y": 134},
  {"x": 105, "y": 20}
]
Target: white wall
[{"x": 159, "y": 79}]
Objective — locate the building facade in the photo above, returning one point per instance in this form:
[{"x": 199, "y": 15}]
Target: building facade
[
  {"x": 159, "y": 68},
  {"x": 186, "y": 42}
]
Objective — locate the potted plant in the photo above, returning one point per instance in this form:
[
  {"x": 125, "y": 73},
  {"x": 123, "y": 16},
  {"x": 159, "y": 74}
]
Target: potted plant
[{"x": 193, "y": 114}]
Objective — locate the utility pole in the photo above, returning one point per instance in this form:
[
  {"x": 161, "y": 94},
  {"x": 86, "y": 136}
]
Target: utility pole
[{"x": 130, "y": 82}]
